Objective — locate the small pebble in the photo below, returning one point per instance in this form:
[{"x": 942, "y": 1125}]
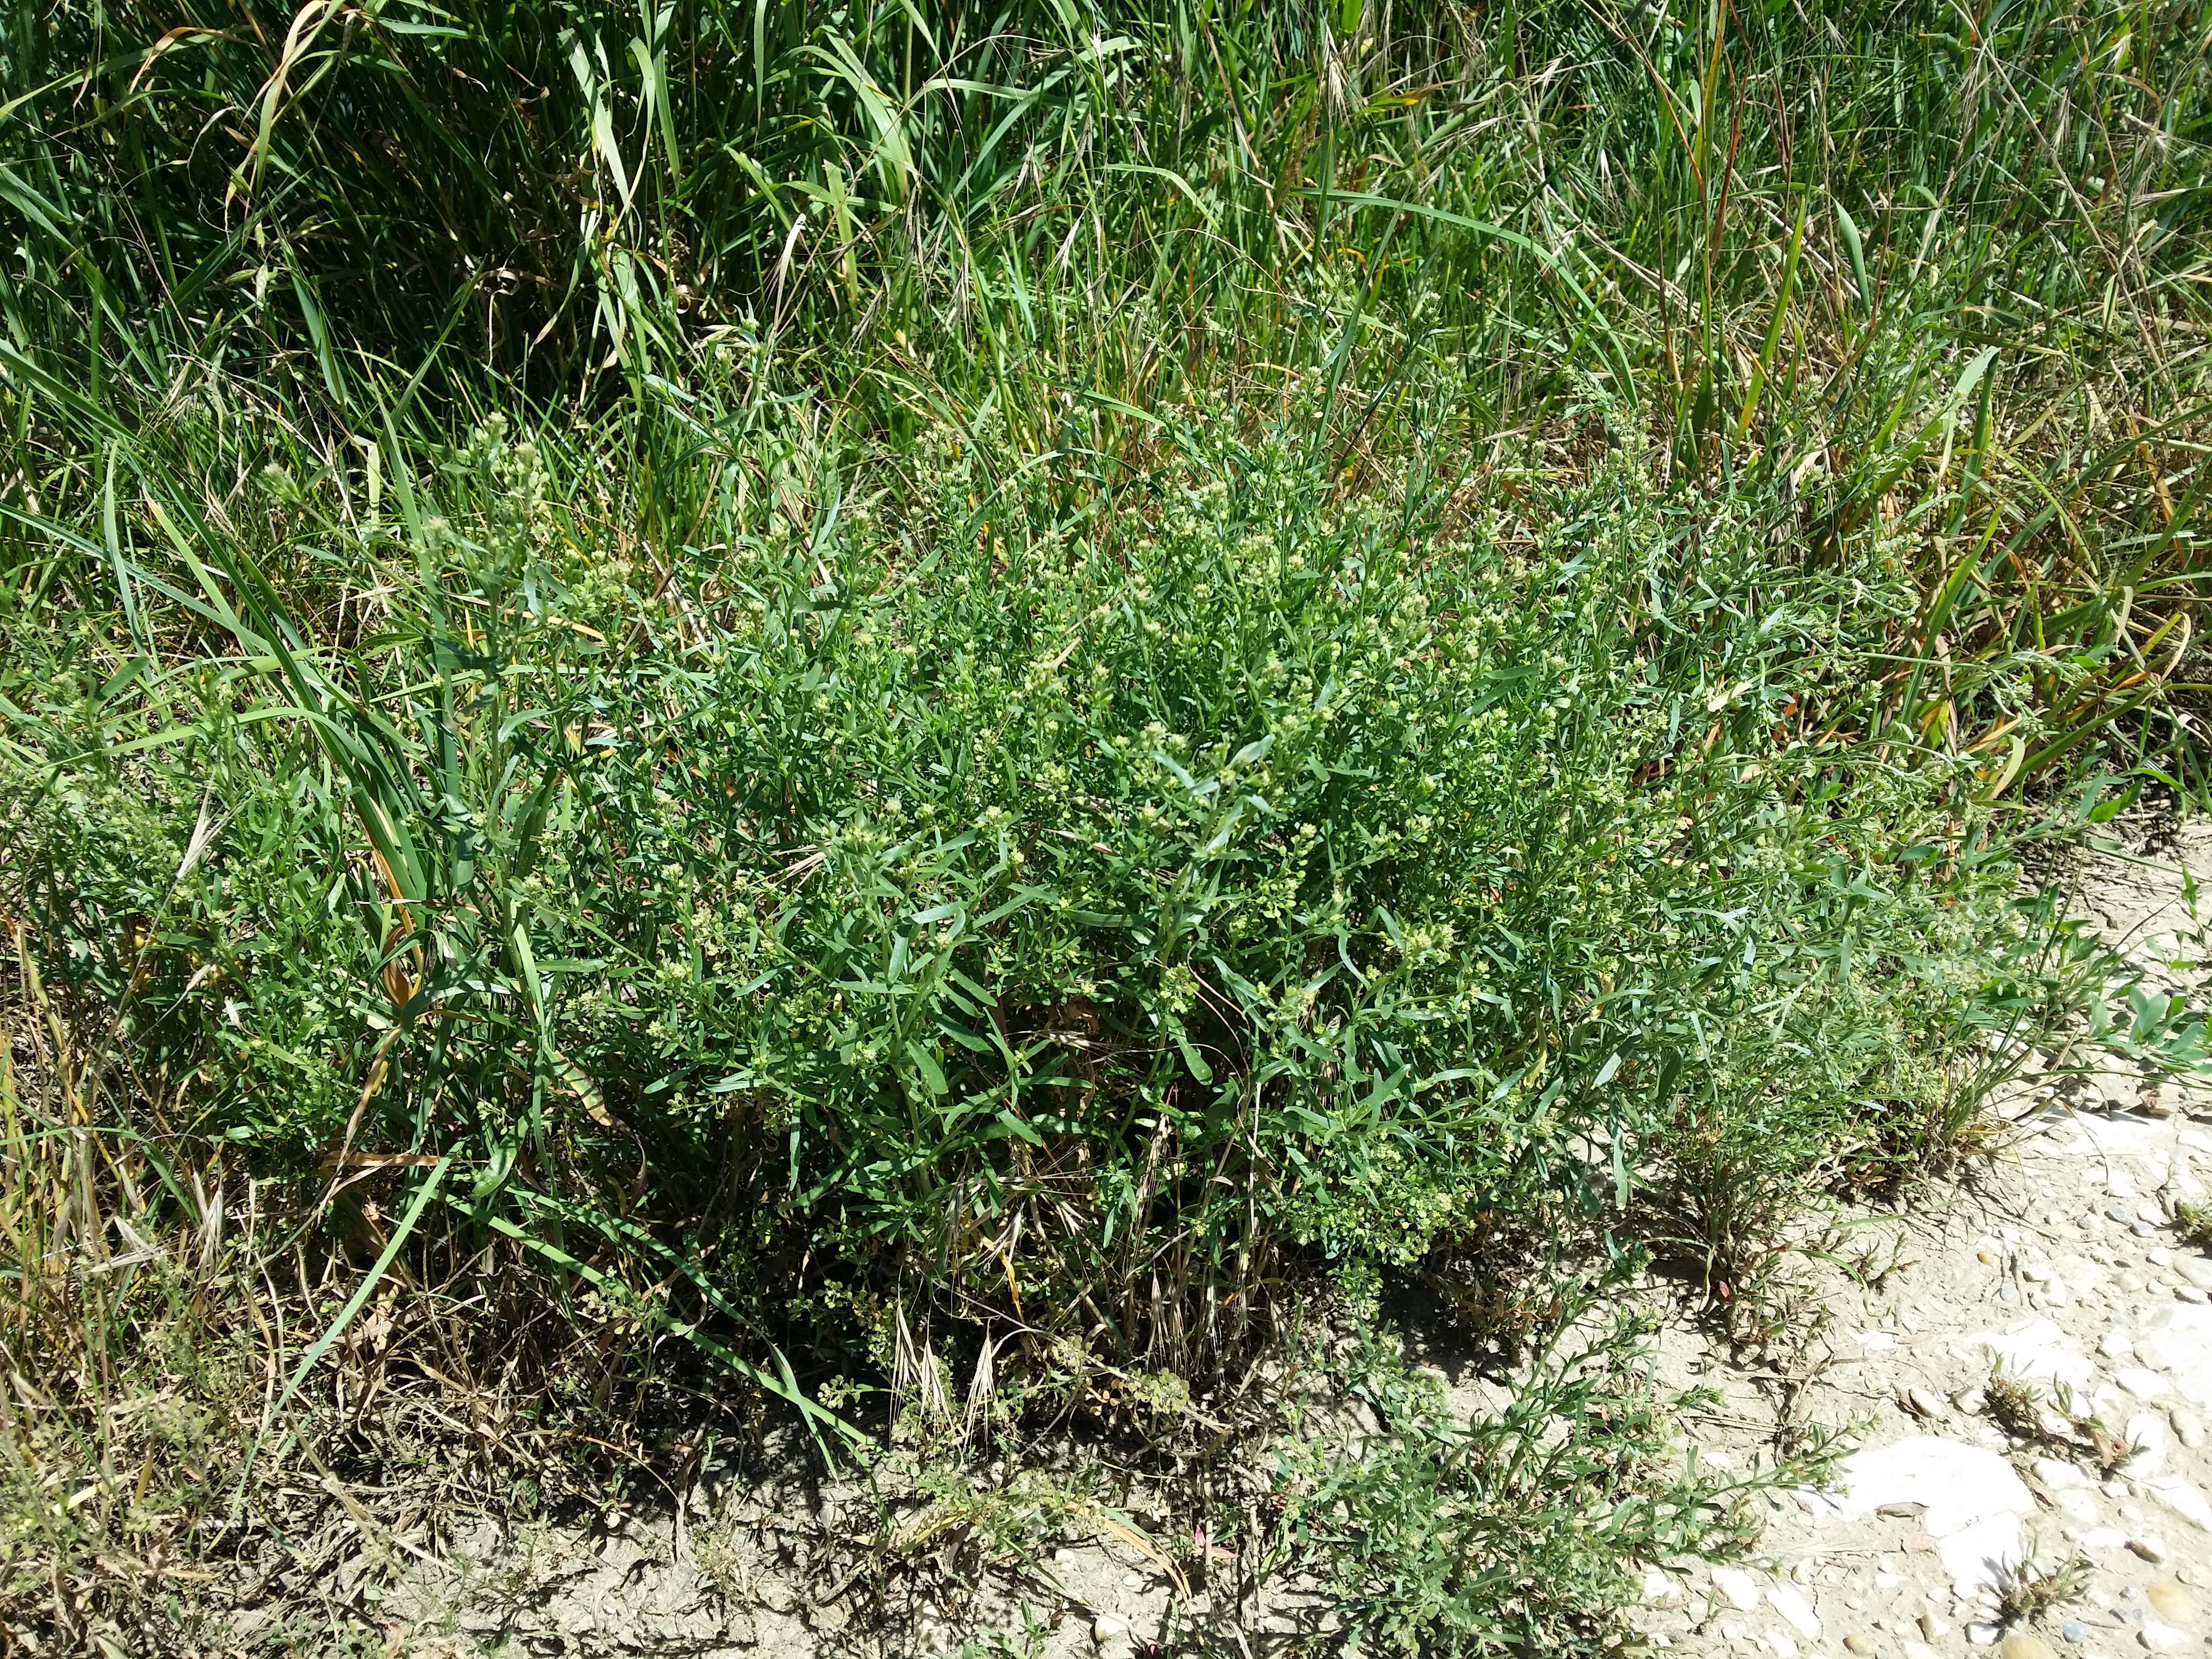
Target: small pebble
[
  {"x": 1859, "y": 1641},
  {"x": 2120, "y": 1211},
  {"x": 2170, "y": 1601},
  {"x": 1934, "y": 1628},
  {"x": 2024, "y": 1644},
  {"x": 1927, "y": 1403},
  {"x": 2162, "y": 1638},
  {"x": 2152, "y": 1550},
  {"x": 2072, "y": 1630},
  {"x": 2187, "y": 1293},
  {"x": 1107, "y": 1630},
  {"x": 1982, "y": 1634}
]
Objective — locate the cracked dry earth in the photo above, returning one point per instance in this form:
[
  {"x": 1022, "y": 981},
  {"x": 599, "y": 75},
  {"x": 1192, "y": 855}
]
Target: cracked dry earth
[
  {"x": 2058, "y": 1259},
  {"x": 2061, "y": 1263}
]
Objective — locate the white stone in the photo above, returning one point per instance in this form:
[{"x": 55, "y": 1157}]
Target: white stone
[
  {"x": 2104, "y": 1537},
  {"x": 1975, "y": 1501},
  {"x": 1107, "y": 1630},
  {"x": 2185, "y": 1499},
  {"x": 1876, "y": 1342},
  {"x": 2056, "y": 1472},
  {"x": 1736, "y": 1586},
  {"x": 2143, "y": 1383},
  {"x": 1779, "y": 1644},
  {"x": 2116, "y": 1345},
  {"x": 2146, "y": 1433},
  {"x": 2114, "y": 1137},
  {"x": 2079, "y": 1505},
  {"x": 2037, "y": 1351},
  {"x": 1979, "y": 1557},
  {"x": 1956, "y": 1484},
  {"x": 1920, "y": 1651},
  {"x": 2181, "y": 1345},
  {"x": 1796, "y": 1609},
  {"x": 2162, "y": 1638},
  {"x": 1660, "y": 1587}
]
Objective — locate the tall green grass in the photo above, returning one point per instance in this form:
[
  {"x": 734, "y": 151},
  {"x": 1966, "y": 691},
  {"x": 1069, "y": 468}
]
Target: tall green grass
[
  {"x": 1784, "y": 245},
  {"x": 902, "y": 697}
]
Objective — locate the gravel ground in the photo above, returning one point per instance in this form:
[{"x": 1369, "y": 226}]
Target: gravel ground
[{"x": 2060, "y": 1263}]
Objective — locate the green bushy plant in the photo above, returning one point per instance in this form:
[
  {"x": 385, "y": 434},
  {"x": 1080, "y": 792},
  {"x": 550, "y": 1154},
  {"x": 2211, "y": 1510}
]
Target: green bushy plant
[{"x": 1071, "y": 914}]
